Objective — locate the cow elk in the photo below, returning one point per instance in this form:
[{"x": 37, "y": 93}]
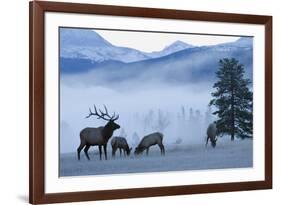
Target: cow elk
[
  {"x": 121, "y": 144},
  {"x": 150, "y": 140},
  {"x": 212, "y": 135},
  {"x": 98, "y": 136}
]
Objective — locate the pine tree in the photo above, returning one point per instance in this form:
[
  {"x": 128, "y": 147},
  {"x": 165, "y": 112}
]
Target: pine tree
[{"x": 233, "y": 100}]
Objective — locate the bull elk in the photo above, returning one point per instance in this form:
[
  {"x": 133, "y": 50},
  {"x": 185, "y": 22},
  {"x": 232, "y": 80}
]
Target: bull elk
[
  {"x": 121, "y": 144},
  {"x": 99, "y": 136},
  {"x": 212, "y": 135},
  {"x": 150, "y": 140}
]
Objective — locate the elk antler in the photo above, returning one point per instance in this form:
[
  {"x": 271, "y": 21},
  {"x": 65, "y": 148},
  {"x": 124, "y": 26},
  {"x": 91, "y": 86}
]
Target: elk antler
[
  {"x": 115, "y": 118},
  {"x": 102, "y": 114}
]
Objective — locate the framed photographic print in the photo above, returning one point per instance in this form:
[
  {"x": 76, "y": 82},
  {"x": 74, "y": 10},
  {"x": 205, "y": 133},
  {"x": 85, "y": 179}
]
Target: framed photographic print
[{"x": 138, "y": 102}]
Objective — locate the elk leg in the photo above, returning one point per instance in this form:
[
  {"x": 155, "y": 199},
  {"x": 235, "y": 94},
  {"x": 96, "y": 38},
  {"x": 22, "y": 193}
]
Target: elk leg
[
  {"x": 120, "y": 151},
  {"x": 100, "y": 151},
  {"x": 79, "y": 149},
  {"x": 207, "y": 141},
  {"x": 147, "y": 150},
  {"x": 86, "y": 151},
  {"x": 113, "y": 152},
  {"x": 105, "y": 152},
  {"x": 162, "y": 148}
]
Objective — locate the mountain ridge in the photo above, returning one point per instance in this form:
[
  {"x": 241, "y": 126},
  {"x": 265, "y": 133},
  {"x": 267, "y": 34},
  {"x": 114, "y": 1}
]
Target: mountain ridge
[
  {"x": 186, "y": 63},
  {"x": 197, "y": 64},
  {"x": 88, "y": 44}
]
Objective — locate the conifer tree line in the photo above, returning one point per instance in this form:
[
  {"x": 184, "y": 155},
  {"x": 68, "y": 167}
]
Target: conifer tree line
[{"x": 233, "y": 100}]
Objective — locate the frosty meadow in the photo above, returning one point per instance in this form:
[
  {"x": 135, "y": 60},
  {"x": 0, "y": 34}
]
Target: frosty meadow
[{"x": 182, "y": 103}]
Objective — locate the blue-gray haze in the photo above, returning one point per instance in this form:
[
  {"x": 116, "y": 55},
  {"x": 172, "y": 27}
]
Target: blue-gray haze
[{"x": 166, "y": 91}]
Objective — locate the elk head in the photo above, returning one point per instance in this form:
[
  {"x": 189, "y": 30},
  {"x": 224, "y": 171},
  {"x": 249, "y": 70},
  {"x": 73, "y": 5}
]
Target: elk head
[
  {"x": 111, "y": 124},
  {"x": 129, "y": 151},
  {"x": 138, "y": 150},
  {"x": 214, "y": 141}
]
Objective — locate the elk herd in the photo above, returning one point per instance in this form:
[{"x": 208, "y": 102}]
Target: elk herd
[{"x": 99, "y": 136}]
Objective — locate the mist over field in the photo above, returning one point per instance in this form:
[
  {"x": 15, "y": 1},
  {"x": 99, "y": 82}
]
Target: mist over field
[
  {"x": 134, "y": 105},
  {"x": 165, "y": 91}
]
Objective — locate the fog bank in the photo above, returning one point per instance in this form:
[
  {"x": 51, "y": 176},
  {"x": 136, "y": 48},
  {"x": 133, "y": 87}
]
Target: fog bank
[{"x": 180, "y": 112}]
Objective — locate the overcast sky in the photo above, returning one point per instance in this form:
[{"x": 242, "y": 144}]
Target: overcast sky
[{"x": 148, "y": 42}]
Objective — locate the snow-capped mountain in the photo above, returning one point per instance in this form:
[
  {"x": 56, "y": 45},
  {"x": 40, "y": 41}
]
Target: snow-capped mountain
[
  {"x": 87, "y": 44},
  {"x": 196, "y": 64},
  {"x": 85, "y": 51},
  {"x": 72, "y": 37},
  {"x": 174, "y": 47},
  {"x": 243, "y": 42}
]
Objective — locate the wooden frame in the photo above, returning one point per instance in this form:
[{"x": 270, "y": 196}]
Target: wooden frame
[{"x": 37, "y": 96}]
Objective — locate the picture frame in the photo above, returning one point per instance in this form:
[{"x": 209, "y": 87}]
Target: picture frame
[{"x": 37, "y": 112}]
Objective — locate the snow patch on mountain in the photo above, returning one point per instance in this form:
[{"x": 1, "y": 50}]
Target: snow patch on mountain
[
  {"x": 174, "y": 47},
  {"x": 88, "y": 44}
]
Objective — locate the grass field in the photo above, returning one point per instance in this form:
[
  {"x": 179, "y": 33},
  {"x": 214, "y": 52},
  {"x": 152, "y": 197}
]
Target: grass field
[{"x": 227, "y": 154}]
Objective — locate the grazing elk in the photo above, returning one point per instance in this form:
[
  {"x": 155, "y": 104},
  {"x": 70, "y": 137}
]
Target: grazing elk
[
  {"x": 150, "y": 140},
  {"x": 212, "y": 135},
  {"x": 121, "y": 144},
  {"x": 99, "y": 136}
]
